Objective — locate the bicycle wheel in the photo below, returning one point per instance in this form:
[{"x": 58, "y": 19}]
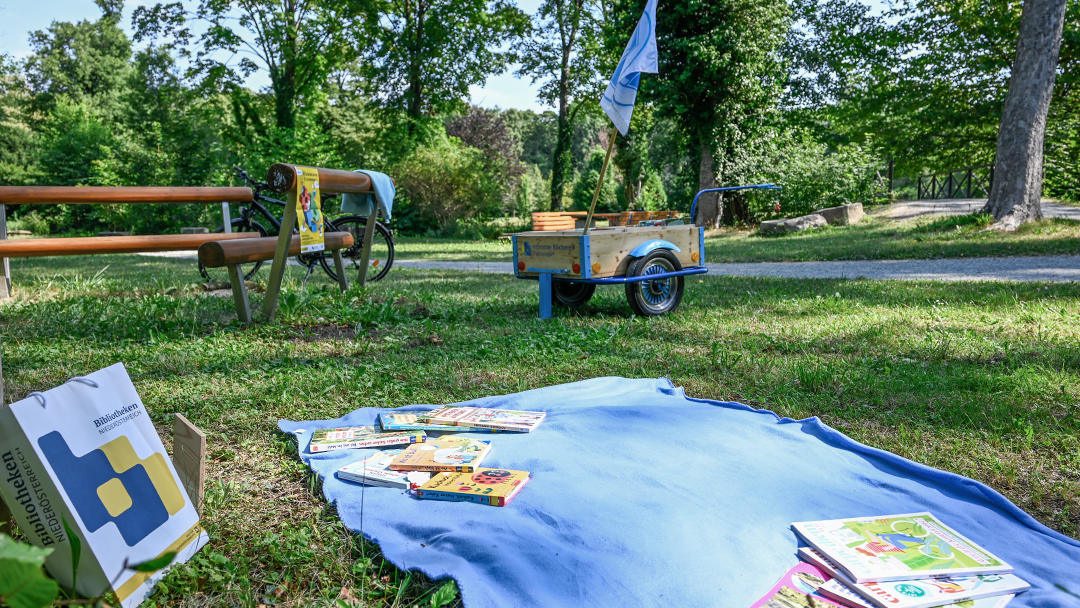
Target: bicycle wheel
[
  {"x": 214, "y": 275},
  {"x": 382, "y": 248}
]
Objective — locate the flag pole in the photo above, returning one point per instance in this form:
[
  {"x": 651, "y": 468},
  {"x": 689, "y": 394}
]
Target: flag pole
[{"x": 600, "y": 182}]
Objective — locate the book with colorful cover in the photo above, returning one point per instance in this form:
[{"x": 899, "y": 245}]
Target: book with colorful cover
[
  {"x": 372, "y": 472},
  {"x": 506, "y": 420},
  {"x": 420, "y": 421},
  {"x": 990, "y": 590},
  {"x": 897, "y": 548},
  {"x": 325, "y": 440},
  {"x": 848, "y": 593},
  {"x": 495, "y": 487},
  {"x": 798, "y": 588},
  {"x": 454, "y": 454}
]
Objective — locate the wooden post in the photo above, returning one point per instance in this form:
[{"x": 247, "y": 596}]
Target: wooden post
[
  {"x": 281, "y": 256},
  {"x": 600, "y": 183},
  {"x": 369, "y": 235},
  {"x": 240, "y": 296},
  {"x": 339, "y": 265},
  {"x": 189, "y": 458},
  {"x": 5, "y": 265},
  {"x": 226, "y": 217}
]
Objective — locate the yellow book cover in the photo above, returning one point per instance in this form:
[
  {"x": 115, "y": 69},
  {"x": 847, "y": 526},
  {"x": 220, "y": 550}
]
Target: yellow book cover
[
  {"x": 495, "y": 487},
  {"x": 452, "y": 453}
]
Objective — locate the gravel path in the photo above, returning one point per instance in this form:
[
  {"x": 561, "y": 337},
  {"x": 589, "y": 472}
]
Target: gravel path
[
  {"x": 1044, "y": 268},
  {"x": 905, "y": 210},
  {"x": 1059, "y": 268},
  {"x": 1032, "y": 268}
]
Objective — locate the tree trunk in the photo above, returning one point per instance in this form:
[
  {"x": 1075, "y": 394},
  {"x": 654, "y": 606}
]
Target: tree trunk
[
  {"x": 560, "y": 161},
  {"x": 710, "y": 206},
  {"x": 1017, "y": 188}
]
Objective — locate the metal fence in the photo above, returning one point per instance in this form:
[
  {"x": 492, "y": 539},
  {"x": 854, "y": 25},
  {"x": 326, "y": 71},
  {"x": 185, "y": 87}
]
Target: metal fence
[{"x": 959, "y": 183}]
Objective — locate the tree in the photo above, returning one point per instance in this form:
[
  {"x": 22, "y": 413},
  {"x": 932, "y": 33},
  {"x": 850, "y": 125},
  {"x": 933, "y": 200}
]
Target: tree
[
  {"x": 562, "y": 50},
  {"x": 298, "y": 42},
  {"x": 85, "y": 61},
  {"x": 487, "y": 132},
  {"x": 426, "y": 53},
  {"x": 925, "y": 82},
  {"x": 1017, "y": 189},
  {"x": 720, "y": 78}
]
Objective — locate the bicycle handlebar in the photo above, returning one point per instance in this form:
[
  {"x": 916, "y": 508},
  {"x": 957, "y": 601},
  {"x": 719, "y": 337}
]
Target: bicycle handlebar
[{"x": 257, "y": 186}]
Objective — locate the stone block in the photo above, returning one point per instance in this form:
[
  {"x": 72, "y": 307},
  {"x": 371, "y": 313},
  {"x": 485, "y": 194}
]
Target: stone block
[
  {"x": 842, "y": 215},
  {"x": 114, "y": 233},
  {"x": 795, "y": 224},
  {"x": 195, "y": 230}
]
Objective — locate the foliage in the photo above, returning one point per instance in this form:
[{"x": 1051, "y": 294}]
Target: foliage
[
  {"x": 443, "y": 180},
  {"x": 298, "y": 42},
  {"x": 85, "y": 61},
  {"x": 426, "y": 53},
  {"x": 562, "y": 51},
  {"x": 585, "y": 186},
  {"x": 487, "y": 132},
  {"x": 925, "y": 81},
  {"x": 23, "y": 583},
  {"x": 716, "y": 82},
  {"x": 812, "y": 177}
]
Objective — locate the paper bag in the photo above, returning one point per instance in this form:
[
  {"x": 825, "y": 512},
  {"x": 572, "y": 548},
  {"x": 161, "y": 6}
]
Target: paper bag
[{"x": 86, "y": 452}]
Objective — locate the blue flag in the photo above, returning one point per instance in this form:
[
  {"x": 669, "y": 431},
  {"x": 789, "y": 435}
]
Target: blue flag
[{"x": 640, "y": 56}]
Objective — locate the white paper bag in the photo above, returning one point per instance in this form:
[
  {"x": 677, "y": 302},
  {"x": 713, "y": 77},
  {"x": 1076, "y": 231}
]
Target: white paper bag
[{"x": 86, "y": 452}]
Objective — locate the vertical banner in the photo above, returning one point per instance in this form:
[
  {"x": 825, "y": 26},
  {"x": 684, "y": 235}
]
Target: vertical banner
[{"x": 309, "y": 210}]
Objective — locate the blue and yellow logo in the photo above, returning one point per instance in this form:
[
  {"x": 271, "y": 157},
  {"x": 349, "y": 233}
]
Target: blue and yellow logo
[{"x": 111, "y": 484}]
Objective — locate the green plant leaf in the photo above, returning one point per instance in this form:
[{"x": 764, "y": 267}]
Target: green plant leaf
[
  {"x": 444, "y": 595},
  {"x": 155, "y": 564},
  {"x": 14, "y": 550},
  {"x": 23, "y": 584},
  {"x": 76, "y": 552}
]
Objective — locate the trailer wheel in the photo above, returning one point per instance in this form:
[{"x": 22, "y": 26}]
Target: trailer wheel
[
  {"x": 571, "y": 295},
  {"x": 651, "y": 298}
]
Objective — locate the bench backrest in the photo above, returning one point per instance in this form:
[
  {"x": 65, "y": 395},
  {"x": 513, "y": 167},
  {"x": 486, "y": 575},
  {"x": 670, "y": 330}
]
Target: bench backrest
[{"x": 86, "y": 195}]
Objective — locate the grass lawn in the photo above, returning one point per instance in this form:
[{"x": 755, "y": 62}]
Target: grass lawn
[
  {"x": 872, "y": 239},
  {"x": 976, "y": 378}
]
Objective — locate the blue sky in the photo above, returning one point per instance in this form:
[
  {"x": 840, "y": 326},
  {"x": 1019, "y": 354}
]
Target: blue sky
[{"x": 16, "y": 21}]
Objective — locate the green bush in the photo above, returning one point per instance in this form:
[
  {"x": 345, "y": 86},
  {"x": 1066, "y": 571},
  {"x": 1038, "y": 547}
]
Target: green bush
[
  {"x": 443, "y": 181},
  {"x": 812, "y": 177}
]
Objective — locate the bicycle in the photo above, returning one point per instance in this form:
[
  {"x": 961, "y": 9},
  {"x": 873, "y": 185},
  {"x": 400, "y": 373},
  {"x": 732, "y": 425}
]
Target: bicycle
[{"x": 382, "y": 244}]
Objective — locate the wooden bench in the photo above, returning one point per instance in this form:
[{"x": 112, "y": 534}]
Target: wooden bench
[
  {"x": 232, "y": 253},
  {"x": 544, "y": 221},
  {"x": 47, "y": 195}
]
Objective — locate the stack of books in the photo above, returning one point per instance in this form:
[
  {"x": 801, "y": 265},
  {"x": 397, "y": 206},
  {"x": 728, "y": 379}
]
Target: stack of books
[
  {"x": 437, "y": 468},
  {"x": 912, "y": 560}
]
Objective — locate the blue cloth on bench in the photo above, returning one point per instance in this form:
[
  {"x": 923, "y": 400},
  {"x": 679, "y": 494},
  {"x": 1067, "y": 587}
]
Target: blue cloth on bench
[
  {"x": 643, "y": 497},
  {"x": 361, "y": 204}
]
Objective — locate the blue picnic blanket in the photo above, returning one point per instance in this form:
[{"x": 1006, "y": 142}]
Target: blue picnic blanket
[
  {"x": 360, "y": 203},
  {"x": 643, "y": 497}
]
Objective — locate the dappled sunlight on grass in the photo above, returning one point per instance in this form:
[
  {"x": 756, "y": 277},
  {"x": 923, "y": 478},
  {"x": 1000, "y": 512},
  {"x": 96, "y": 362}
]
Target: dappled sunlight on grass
[{"x": 982, "y": 379}]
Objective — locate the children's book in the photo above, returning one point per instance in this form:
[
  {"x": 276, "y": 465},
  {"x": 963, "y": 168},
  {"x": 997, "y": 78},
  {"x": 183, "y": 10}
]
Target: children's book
[
  {"x": 460, "y": 454},
  {"x": 507, "y": 420},
  {"x": 495, "y": 487},
  {"x": 898, "y": 548},
  {"x": 984, "y": 590},
  {"x": 798, "y": 588},
  {"x": 848, "y": 593},
  {"x": 324, "y": 440},
  {"x": 421, "y": 421},
  {"x": 372, "y": 472}
]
